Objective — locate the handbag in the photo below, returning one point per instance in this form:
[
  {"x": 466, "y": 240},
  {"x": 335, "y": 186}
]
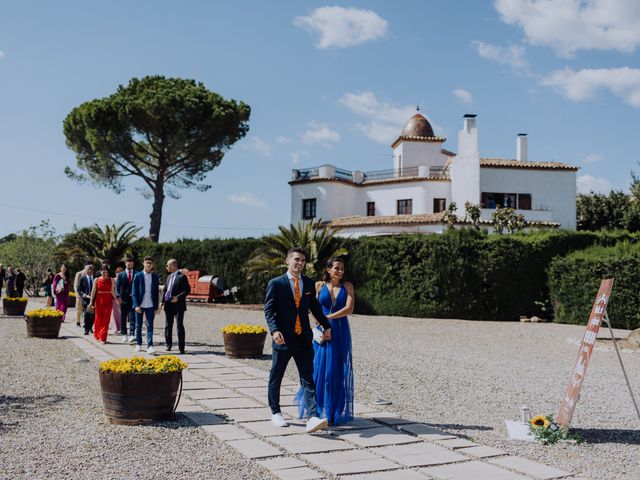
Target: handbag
[
  {"x": 318, "y": 335},
  {"x": 90, "y": 310}
]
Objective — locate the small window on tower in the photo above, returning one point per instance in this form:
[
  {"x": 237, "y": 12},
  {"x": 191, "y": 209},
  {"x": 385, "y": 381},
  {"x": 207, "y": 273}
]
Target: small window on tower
[
  {"x": 308, "y": 208},
  {"x": 439, "y": 205},
  {"x": 405, "y": 206},
  {"x": 371, "y": 209}
]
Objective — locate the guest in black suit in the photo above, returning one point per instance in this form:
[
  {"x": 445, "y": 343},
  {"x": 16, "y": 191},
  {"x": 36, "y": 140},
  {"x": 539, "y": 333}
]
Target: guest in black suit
[
  {"x": 2, "y": 274},
  {"x": 174, "y": 301},
  {"x": 20, "y": 280},
  {"x": 124, "y": 286},
  {"x": 286, "y": 309},
  {"x": 10, "y": 278},
  {"x": 85, "y": 286}
]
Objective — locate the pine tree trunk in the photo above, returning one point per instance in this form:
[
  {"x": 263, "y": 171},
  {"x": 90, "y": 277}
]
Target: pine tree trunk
[{"x": 156, "y": 213}]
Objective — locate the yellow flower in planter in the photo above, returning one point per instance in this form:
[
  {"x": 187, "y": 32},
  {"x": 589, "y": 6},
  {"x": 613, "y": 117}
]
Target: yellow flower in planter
[
  {"x": 16, "y": 299},
  {"x": 160, "y": 364},
  {"x": 540, "y": 421},
  {"x": 243, "y": 328},
  {"x": 48, "y": 313},
  {"x": 71, "y": 294}
]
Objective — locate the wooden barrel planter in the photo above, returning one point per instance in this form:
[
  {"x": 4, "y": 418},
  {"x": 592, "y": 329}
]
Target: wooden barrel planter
[
  {"x": 244, "y": 345},
  {"x": 43, "y": 327},
  {"x": 13, "y": 308},
  {"x": 139, "y": 398}
]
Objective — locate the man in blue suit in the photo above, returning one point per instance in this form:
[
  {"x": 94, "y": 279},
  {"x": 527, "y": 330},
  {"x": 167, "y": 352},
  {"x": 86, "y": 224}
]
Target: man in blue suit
[
  {"x": 286, "y": 309},
  {"x": 145, "y": 295},
  {"x": 124, "y": 288}
]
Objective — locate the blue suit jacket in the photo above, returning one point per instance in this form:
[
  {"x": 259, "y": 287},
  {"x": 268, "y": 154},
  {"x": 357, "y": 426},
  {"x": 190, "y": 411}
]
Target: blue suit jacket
[
  {"x": 123, "y": 290},
  {"x": 137, "y": 292},
  {"x": 280, "y": 310}
]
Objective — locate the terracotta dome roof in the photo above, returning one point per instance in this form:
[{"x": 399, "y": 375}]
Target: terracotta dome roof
[{"x": 417, "y": 126}]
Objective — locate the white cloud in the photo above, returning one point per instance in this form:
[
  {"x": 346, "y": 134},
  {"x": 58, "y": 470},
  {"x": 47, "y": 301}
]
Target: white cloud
[
  {"x": 588, "y": 184},
  {"x": 256, "y": 144},
  {"x": 247, "y": 199},
  {"x": 343, "y": 27},
  {"x": 320, "y": 133},
  {"x": 1, "y": 54},
  {"x": 464, "y": 96},
  {"x": 282, "y": 139},
  {"x": 571, "y": 25},
  {"x": 384, "y": 119},
  {"x": 296, "y": 156},
  {"x": 582, "y": 84},
  {"x": 593, "y": 158},
  {"x": 513, "y": 55}
]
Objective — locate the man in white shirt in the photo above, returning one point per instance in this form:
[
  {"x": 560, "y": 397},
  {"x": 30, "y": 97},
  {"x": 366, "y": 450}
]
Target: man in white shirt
[{"x": 145, "y": 295}]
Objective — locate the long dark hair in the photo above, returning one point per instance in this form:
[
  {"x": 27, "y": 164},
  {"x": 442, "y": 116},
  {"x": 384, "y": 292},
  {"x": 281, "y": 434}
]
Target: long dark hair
[
  {"x": 325, "y": 276},
  {"x": 67, "y": 273}
]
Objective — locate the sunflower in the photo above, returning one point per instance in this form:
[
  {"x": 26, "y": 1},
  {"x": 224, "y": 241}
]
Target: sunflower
[{"x": 540, "y": 421}]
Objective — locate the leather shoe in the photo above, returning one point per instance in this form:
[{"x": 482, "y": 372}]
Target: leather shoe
[
  {"x": 314, "y": 424},
  {"x": 169, "y": 347}
]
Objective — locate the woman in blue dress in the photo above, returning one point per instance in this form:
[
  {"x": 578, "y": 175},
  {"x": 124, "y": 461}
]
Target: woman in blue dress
[{"x": 332, "y": 363}]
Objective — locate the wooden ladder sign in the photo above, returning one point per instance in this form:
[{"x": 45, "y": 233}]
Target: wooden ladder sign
[{"x": 584, "y": 355}]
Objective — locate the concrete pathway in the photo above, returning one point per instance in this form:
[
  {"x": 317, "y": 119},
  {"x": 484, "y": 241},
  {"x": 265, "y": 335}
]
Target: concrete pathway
[{"x": 229, "y": 400}]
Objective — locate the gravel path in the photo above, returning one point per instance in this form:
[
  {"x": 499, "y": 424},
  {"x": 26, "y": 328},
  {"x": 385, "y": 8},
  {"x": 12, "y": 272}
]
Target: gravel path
[
  {"x": 467, "y": 377},
  {"x": 52, "y": 425},
  {"x": 462, "y": 376}
]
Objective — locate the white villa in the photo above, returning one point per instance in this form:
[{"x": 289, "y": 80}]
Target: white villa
[{"x": 426, "y": 178}]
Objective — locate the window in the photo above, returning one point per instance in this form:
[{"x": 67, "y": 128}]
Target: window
[
  {"x": 439, "y": 205},
  {"x": 308, "y": 208},
  {"x": 524, "y": 201},
  {"x": 405, "y": 206},
  {"x": 520, "y": 201},
  {"x": 371, "y": 209}
]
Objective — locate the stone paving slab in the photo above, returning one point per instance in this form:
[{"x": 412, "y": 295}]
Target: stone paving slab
[
  {"x": 376, "y": 437},
  {"x": 189, "y": 408},
  {"x": 219, "y": 359},
  {"x": 391, "y": 475},
  {"x": 222, "y": 403},
  {"x": 317, "y": 443},
  {"x": 388, "y": 418},
  {"x": 534, "y": 469},
  {"x": 202, "y": 394},
  {"x": 350, "y": 461},
  {"x": 227, "y": 377},
  {"x": 420, "y": 454},
  {"x": 474, "y": 470},
  {"x": 285, "y": 400},
  {"x": 188, "y": 376},
  {"x": 200, "y": 385},
  {"x": 456, "y": 443},
  {"x": 299, "y": 473},
  {"x": 281, "y": 463},
  {"x": 199, "y": 364},
  {"x": 254, "y": 448},
  {"x": 268, "y": 429},
  {"x": 248, "y": 414},
  {"x": 227, "y": 432},
  {"x": 482, "y": 452},
  {"x": 204, "y": 418},
  {"x": 254, "y": 382},
  {"x": 254, "y": 391},
  {"x": 356, "y": 424},
  {"x": 426, "y": 432}
]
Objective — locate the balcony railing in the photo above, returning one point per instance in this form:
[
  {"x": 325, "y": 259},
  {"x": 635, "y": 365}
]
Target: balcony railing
[
  {"x": 392, "y": 173},
  {"x": 307, "y": 173}
]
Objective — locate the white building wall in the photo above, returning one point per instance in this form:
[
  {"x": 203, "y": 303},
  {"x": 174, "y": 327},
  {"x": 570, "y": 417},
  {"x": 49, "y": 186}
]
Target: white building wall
[
  {"x": 413, "y": 154},
  {"x": 551, "y": 191},
  {"x": 333, "y": 199}
]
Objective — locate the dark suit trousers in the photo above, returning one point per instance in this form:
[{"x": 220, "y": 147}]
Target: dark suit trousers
[
  {"x": 87, "y": 317},
  {"x": 127, "y": 314},
  {"x": 302, "y": 354},
  {"x": 169, "y": 315}
]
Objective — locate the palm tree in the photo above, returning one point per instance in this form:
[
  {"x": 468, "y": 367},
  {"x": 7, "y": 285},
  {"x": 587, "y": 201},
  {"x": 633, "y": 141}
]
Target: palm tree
[
  {"x": 96, "y": 244},
  {"x": 319, "y": 243}
]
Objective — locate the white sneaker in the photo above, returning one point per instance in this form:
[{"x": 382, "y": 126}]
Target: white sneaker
[
  {"x": 132, "y": 339},
  {"x": 125, "y": 339},
  {"x": 278, "y": 420},
  {"x": 138, "y": 348},
  {"x": 151, "y": 350},
  {"x": 314, "y": 424}
]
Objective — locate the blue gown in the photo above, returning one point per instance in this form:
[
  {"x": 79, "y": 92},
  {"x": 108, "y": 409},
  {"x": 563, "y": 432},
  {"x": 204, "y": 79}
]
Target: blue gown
[{"x": 332, "y": 366}]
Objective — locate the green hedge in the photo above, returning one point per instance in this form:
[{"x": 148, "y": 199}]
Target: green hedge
[
  {"x": 574, "y": 282},
  {"x": 212, "y": 257}
]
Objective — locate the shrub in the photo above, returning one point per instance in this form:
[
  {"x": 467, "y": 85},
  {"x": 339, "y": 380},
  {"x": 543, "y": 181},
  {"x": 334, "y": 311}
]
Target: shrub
[{"x": 574, "y": 282}]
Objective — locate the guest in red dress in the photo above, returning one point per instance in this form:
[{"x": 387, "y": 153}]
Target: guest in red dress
[{"x": 102, "y": 297}]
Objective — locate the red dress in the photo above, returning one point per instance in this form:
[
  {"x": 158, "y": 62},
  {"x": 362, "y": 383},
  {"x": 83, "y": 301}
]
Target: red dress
[{"x": 103, "y": 305}]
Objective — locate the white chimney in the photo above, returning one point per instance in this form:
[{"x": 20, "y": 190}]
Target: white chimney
[
  {"x": 469, "y": 122},
  {"x": 522, "y": 153}
]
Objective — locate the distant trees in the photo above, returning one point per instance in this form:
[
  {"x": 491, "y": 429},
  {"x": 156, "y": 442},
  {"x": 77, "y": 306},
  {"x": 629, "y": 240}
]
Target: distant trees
[{"x": 615, "y": 211}]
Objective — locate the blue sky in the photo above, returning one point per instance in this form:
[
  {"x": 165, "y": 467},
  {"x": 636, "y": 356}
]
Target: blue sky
[{"x": 327, "y": 83}]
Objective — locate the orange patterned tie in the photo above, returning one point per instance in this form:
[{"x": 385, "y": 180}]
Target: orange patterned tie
[{"x": 296, "y": 298}]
